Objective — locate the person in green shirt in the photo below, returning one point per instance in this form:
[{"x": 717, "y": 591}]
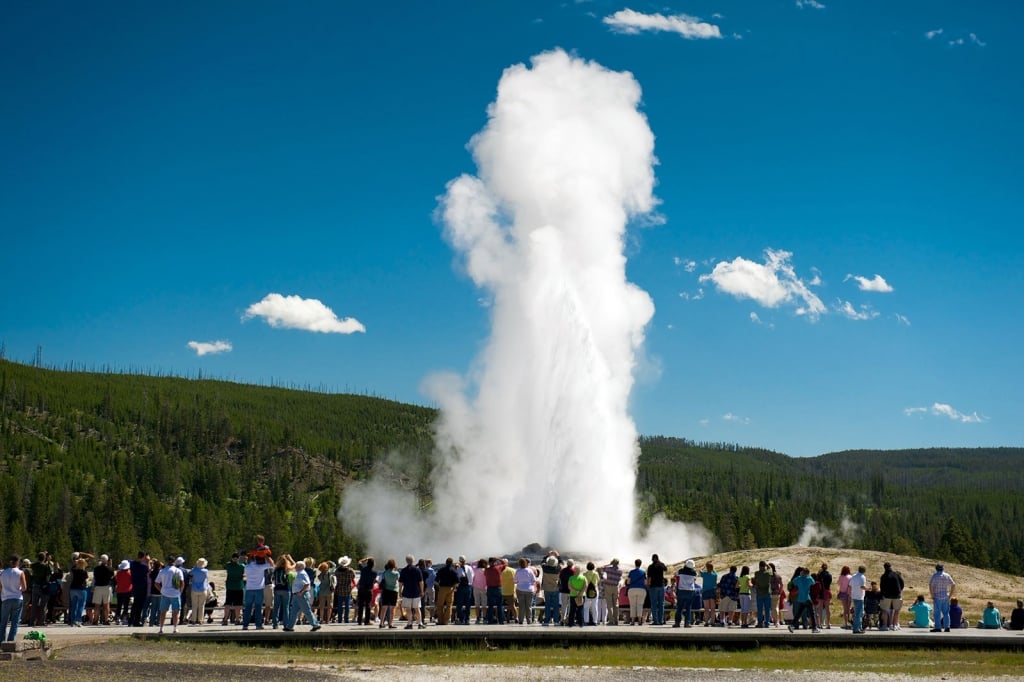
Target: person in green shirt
[
  {"x": 577, "y": 589},
  {"x": 234, "y": 590},
  {"x": 922, "y": 613}
]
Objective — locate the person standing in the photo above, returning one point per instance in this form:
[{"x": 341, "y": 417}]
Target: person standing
[
  {"x": 656, "y": 588},
  {"x": 577, "y": 590},
  {"x": 255, "y": 580},
  {"x": 611, "y": 577},
  {"x": 411, "y": 585},
  {"x": 708, "y": 591},
  {"x": 463, "y": 592},
  {"x": 890, "y": 584},
  {"x": 591, "y": 594},
  {"x": 139, "y": 569},
  {"x": 803, "y": 605},
  {"x": 636, "y": 582},
  {"x": 858, "y": 586},
  {"x": 301, "y": 589},
  {"x": 526, "y": 585},
  {"x": 763, "y": 594},
  {"x": 686, "y": 588},
  {"x": 170, "y": 580},
  {"x": 12, "y": 598},
  {"x": 123, "y": 587},
  {"x": 345, "y": 579},
  {"x": 492, "y": 576},
  {"x": 282, "y": 576},
  {"x": 234, "y": 590},
  {"x": 825, "y": 601},
  {"x": 447, "y": 579},
  {"x": 941, "y": 586},
  {"x": 364, "y": 591},
  {"x": 200, "y": 582},
  {"x": 42, "y": 568},
  {"x": 78, "y": 592}
]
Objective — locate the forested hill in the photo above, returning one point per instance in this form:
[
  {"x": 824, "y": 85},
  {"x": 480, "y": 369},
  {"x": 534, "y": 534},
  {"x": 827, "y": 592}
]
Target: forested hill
[
  {"x": 965, "y": 505},
  {"x": 115, "y": 462}
]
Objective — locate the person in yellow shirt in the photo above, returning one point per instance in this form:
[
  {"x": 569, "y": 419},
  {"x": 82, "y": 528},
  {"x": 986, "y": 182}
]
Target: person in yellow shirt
[
  {"x": 508, "y": 592},
  {"x": 591, "y": 594}
]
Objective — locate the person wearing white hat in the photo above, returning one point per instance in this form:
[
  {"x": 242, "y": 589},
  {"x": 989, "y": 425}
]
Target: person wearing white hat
[
  {"x": 123, "y": 587},
  {"x": 346, "y": 579},
  {"x": 686, "y": 592},
  {"x": 200, "y": 582}
]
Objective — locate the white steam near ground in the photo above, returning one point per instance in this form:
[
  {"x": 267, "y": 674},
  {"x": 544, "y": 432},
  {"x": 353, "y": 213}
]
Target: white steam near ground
[
  {"x": 536, "y": 444},
  {"x": 816, "y": 534}
]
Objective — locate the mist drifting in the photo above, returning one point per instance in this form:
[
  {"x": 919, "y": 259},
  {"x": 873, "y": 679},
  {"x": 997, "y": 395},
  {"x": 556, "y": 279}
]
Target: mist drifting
[{"x": 537, "y": 444}]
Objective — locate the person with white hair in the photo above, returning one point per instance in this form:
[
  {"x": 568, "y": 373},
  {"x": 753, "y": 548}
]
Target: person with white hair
[
  {"x": 102, "y": 590},
  {"x": 411, "y": 586},
  {"x": 301, "y": 590},
  {"x": 200, "y": 583}
]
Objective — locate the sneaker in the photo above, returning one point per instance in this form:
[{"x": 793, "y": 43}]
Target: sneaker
[
  {"x": 422, "y": 626},
  {"x": 409, "y": 626},
  {"x": 314, "y": 628},
  {"x": 675, "y": 625},
  {"x": 936, "y": 630},
  {"x": 815, "y": 631},
  {"x": 946, "y": 630},
  {"x": 791, "y": 628}
]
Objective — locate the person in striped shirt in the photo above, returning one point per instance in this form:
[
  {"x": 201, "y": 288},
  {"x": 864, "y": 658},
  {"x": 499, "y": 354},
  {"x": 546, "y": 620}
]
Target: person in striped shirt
[{"x": 941, "y": 586}]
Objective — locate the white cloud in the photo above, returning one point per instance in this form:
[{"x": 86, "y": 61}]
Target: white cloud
[
  {"x": 944, "y": 410},
  {"x": 974, "y": 39},
  {"x": 901, "y": 319},
  {"x": 736, "y": 419},
  {"x": 846, "y": 309},
  {"x": 755, "y": 318},
  {"x": 686, "y": 264},
  {"x": 770, "y": 284},
  {"x": 633, "y": 22},
  {"x": 877, "y": 283},
  {"x": 813, "y": 4},
  {"x": 210, "y": 347},
  {"x": 295, "y": 312},
  {"x": 956, "y": 41},
  {"x": 687, "y": 296},
  {"x": 933, "y": 34}
]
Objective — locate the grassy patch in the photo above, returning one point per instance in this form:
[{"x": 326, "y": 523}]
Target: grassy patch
[{"x": 910, "y": 662}]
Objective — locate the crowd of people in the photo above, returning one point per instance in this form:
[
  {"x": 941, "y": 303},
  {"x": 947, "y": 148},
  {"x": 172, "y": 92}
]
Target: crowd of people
[{"x": 263, "y": 591}]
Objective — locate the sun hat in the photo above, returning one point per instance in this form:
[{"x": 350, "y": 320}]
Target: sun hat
[
  {"x": 201, "y": 562},
  {"x": 124, "y": 565},
  {"x": 344, "y": 560}
]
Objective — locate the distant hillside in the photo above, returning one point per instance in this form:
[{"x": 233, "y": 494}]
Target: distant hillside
[{"x": 114, "y": 462}]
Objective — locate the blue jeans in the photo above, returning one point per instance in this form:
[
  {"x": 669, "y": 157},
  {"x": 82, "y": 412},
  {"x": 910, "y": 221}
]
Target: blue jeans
[
  {"x": 252, "y": 608},
  {"x": 300, "y": 603},
  {"x": 684, "y": 602},
  {"x": 153, "y": 608},
  {"x": 463, "y": 603},
  {"x": 77, "y": 605},
  {"x": 10, "y": 615},
  {"x": 941, "y": 613},
  {"x": 552, "y": 607},
  {"x": 657, "y": 605},
  {"x": 342, "y": 605},
  {"x": 495, "y": 602},
  {"x": 282, "y": 607},
  {"x": 858, "y": 615},
  {"x": 764, "y": 610}
]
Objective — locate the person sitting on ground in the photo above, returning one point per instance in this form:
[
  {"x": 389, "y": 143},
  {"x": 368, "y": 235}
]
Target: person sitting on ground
[
  {"x": 922, "y": 613},
  {"x": 990, "y": 619},
  {"x": 873, "y": 604},
  {"x": 956, "y": 614},
  {"x": 1017, "y": 617}
]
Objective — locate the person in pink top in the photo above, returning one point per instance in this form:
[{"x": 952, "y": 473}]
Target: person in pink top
[{"x": 480, "y": 590}]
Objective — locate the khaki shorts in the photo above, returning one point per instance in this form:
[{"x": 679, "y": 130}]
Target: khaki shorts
[
  {"x": 101, "y": 595},
  {"x": 891, "y": 604},
  {"x": 410, "y": 602},
  {"x": 728, "y": 605}
]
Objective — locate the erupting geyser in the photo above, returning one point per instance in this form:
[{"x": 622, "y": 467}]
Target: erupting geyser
[{"x": 537, "y": 445}]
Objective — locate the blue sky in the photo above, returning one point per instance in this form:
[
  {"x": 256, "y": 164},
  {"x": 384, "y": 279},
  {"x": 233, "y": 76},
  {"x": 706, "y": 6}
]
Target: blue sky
[{"x": 837, "y": 264}]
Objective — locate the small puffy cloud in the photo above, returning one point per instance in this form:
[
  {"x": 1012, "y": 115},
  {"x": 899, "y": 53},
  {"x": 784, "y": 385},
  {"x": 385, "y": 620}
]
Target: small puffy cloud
[
  {"x": 755, "y": 318},
  {"x": 877, "y": 283},
  {"x": 685, "y": 264},
  {"x": 847, "y": 309},
  {"x": 736, "y": 419},
  {"x": 295, "y": 312},
  {"x": 977, "y": 41},
  {"x": 956, "y": 41},
  {"x": 771, "y": 284},
  {"x": 813, "y": 4},
  {"x": 944, "y": 410},
  {"x": 687, "y": 296},
  {"x": 935, "y": 33},
  {"x": 632, "y": 22},
  {"x": 210, "y": 347}
]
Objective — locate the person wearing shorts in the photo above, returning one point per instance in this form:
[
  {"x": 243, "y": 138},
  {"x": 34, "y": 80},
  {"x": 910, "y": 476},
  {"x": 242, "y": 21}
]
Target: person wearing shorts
[
  {"x": 411, "y": 585},
  {"x": 170, "y": 580}
]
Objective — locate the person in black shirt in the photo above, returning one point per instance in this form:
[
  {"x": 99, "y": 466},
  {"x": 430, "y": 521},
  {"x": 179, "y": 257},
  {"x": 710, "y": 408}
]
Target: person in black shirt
[{"x": 656, "y": 589}]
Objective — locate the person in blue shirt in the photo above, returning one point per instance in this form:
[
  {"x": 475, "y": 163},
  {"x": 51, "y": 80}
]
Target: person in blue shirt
[
  {"x": 922, "y": 613},
  {"x": 708, "y": 592},
  {"x": 990, "y": 619},
  {"x": 804, "y": 605},
  {"x": 636, "y": 582}
]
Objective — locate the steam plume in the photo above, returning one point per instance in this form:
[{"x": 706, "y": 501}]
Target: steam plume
[{"x": 537, "y": 444}]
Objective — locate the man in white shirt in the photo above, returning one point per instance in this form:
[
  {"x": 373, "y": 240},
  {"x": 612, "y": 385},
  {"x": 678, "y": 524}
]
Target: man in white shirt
[
  {"x": 170, "y": 580},
  {"x": 858, "y": 584}
]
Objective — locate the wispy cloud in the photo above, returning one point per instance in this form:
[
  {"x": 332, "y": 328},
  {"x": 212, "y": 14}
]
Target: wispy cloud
[
  {"x": 813, "y": 4},
  {"x": 770, "y": 284},
  {"x": 685, "y": 263},
  {"x": 971, "y": 38},
  {"x": 633, "y": 22},
  {"x": 295, "y": 312},
  {"x": 735, "y": 419},
  {"x": 976, "y": 40},
  {"x": 944, "y": 410},
  {"x": 847, "y": 309},
  {"x": 877, "y": 283},
  {"x": 901, "y": 319},
  {"x": 935, "y": 33},
  {"x": 687, "y": 296},
  {"x": 210, "y": 347}
]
